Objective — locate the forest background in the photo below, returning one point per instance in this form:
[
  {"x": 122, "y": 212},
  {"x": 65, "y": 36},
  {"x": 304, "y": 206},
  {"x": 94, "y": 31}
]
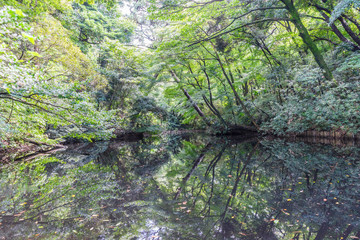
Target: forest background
[{"x": 73, "y": 69}]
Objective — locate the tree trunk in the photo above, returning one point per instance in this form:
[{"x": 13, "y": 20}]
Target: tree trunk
[
  {"x": 193, "y": 103},
  {"x": 351, "y": 33},
  {"x": 336, "y": 30},
  {"x": 304, "y": 34},
  {"x": 239, "y": 102}
]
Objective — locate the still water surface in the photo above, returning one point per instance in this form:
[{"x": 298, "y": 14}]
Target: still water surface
[{"x": 184, "y": 187}]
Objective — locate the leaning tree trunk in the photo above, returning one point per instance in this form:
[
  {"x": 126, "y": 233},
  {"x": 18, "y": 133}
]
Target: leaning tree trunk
[
  {"x": 193, "y": 103},
  {"x": 304, "y": 34}
]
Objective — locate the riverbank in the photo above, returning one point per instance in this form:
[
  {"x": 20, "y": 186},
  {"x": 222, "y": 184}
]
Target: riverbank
[
  {"x": 32, "y": 148},
  {"x": 336, "y": 138},
  {"x": 28, "y": 147},
  {"x": 24, "y": 150}
]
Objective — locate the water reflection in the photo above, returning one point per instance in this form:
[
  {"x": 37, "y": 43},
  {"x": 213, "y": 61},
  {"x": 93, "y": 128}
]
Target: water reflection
[{"x": 184, "y": 187}]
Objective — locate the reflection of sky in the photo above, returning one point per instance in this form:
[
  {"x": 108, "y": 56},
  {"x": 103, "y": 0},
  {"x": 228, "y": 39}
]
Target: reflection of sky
[{"x": 151, "y": 231}]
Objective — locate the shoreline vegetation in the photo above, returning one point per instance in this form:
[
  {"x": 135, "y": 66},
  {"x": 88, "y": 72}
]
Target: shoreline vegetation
[
  {"x": 95, "y": 70},
  {"x": 34, "y": 149}
]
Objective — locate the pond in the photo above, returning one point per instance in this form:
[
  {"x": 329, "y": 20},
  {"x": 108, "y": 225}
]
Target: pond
[{"x": 184, "y": 187}]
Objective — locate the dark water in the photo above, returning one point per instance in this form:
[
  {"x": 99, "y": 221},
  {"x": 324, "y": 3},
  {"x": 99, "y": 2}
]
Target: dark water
[{"x": 190, "y": 187}]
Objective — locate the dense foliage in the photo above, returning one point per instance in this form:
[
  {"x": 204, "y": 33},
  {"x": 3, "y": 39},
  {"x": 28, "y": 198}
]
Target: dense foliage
[
  {"x": 280, "y": 66},
  {"x": 50, "y": 77},
  {"x": 285, "y": 66}
]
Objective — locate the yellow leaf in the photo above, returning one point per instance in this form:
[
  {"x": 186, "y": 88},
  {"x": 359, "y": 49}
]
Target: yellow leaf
[
  {"x": 28, "y": 37},
  {"x": 19, "y": 13},
  {"x": 34, "y": 54}
]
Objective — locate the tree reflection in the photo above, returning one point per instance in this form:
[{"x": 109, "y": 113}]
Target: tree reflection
[{"x": 185, "y": 188}]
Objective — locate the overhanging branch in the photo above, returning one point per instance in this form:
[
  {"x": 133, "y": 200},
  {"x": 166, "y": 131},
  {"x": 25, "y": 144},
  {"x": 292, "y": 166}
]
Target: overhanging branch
[{"x": 234, "y": 29}]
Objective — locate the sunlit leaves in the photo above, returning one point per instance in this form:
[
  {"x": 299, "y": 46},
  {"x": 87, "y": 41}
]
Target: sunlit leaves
[{"x": 29, "y": 38}]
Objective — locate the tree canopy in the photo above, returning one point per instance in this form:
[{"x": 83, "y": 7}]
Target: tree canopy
[{"x": 278, "y": 66}]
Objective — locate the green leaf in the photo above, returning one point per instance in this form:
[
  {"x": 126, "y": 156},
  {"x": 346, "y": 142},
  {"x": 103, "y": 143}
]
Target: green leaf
[
  {"x": 28, "y": 37},
  {"x": 34, "y": 54}
]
